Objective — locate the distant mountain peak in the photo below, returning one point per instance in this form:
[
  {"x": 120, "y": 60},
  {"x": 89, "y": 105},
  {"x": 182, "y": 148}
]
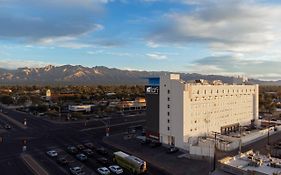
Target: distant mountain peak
[
  {"x": 48, "y": 67},
  {"x": 80, "y": 75}
]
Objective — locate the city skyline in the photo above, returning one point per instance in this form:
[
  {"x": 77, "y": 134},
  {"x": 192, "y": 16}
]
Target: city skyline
[{"x": 209, "y": 37}]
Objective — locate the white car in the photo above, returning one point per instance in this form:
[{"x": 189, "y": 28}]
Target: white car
[
  {"x": 103, "y": 171},
  {"x": 116, "y": 169},
  {"x": 52, "y": 153},
  {"x": 76, "y": 170}
]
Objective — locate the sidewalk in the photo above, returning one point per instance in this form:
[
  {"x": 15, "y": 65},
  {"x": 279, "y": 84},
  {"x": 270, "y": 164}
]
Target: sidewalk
[{"x": 33, "y": 165}]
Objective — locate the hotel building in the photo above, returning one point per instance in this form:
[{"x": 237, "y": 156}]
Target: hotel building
[{"x": 179, "y": 112}]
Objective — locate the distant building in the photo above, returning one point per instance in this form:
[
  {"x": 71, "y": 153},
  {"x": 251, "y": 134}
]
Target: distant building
[
  {"x": 48, "y": 94},
  {"x": 138, "y": 104},
  {"x": 80, "y": 108},
  {"x": 179, "y": 112}
]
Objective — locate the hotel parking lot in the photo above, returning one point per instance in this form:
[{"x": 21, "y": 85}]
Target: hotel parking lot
[{"x": 158, "y": 157}]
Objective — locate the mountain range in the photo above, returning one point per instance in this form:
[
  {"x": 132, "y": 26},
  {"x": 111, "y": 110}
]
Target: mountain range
[{"x": 99, "y": 75}]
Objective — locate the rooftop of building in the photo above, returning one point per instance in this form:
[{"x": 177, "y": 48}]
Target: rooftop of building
[
  {"x": 205, "y": 82},
  {"x": 255, "y": 162}
]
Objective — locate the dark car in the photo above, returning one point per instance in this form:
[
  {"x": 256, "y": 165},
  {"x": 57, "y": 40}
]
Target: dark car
[
  {"x": 80, "y": 147},
  {"x": 88, "y": 152},
  {"x": 72, "y": 150},
  {"x": 102, "y": 151},
  {"x": 62, "y": 161},
  {"x": 155, "y": 144},
  {"x": 102, "y": 160},
  {"x": 145, "y": 141},
  {"x": 90, "y": 145},
  {"x": 172, "y": 150},
  {"x": 81, "y": 157}
]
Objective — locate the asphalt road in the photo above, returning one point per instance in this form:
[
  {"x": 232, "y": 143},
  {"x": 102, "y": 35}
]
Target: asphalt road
[{"x": 42, "y": 136}]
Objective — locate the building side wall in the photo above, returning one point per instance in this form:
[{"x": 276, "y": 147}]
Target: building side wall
[
  {"x": 152, "y": 113},
  {"x": 212, "y": 106},
  {"x": 171, "y": 111}
]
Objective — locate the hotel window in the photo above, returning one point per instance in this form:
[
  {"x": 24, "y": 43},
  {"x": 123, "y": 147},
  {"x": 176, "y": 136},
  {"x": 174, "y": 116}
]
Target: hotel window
[
  {"x": 168, "y": 120},
  {"x": 168, "y": 128},
  {"x": 168, "y": 91},
  {"x": 168, "y": 113},
  {"x": 168, "y": 106},
  {"x": 168, "y": 98}
]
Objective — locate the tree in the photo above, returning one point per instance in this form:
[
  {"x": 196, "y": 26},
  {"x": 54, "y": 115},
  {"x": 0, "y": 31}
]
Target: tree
[
  {"x": 22, "y": 100},
  {"x": 6, "y": 99}
]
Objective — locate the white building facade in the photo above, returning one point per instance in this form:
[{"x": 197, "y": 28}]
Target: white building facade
[{"x": 190, "y": 110}]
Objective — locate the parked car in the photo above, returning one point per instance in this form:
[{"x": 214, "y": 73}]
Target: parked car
[
  {"x": 102, "y": 160},
  {"x": 103, "y": 171},
  {"x": 52, "y": 153},
  {"x": 81, "y": 157},
  {"x": 102, "y": 151},
  {"x": 172, "y": 149},
  {"x": 155, "y": 144},
  {"x": 116, "y": 169},
  {"x": 76, "y": 170},
  {"x": 80, "y": 147},
  {"x": 90, "y": 145},
  {"x": 62, "y": 161},
  {"x": 72, "y": 150},
  {"x": 88, "y": 152}
]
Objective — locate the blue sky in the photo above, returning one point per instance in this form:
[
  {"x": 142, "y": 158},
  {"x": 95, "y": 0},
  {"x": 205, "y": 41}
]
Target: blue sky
[{"x": 226, "y": 37}]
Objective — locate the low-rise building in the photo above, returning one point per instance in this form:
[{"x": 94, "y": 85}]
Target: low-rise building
[
  {"x": 80, "y": 108},
  {"x": 138, "y": 104},
  {"x": 249, "y": 163}
]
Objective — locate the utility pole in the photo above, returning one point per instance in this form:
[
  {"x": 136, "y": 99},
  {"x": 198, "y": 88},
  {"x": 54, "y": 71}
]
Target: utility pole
[
  {"x": 215, "y": 148},
  {"x": 268, "y": 128},
  {"x": 214, "y": 165}
]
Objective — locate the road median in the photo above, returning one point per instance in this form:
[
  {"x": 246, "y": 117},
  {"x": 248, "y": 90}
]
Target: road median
[
  {"x": 17, "y": 123},
  {"x": 33, "y": 165}
]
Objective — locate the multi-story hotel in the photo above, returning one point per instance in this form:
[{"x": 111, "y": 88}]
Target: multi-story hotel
[{"x": 179, "y": 112}]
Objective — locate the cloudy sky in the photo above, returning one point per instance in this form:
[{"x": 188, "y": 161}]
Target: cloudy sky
[{"x": 227, "y": 37}]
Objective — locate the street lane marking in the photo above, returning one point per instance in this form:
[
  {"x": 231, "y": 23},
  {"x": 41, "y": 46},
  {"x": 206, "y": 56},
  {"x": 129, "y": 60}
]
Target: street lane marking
[{"x": 119, "y": 124}]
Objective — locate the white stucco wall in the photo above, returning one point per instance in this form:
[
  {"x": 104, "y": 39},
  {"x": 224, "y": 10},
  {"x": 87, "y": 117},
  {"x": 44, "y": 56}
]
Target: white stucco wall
[{"x": 196, "y": 109}]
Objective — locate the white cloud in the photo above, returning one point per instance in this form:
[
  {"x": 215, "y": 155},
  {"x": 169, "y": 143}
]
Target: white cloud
[
  {"x": 237, "y": 65},
  {"x": 152, "y": 44},
  {"x": 233, "y": 26},
  {"x": 17, "y": 63},
  {"x": 157, "y": 56}
]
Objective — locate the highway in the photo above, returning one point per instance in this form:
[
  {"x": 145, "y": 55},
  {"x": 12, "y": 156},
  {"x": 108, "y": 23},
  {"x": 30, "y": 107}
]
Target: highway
[{"x": 42, "y": 135}]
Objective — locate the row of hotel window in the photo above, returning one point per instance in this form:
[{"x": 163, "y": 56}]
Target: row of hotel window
[
  {"x": 219, "y": 97},
  {"x": 224, "y": 91},
  {"x": 224, "y": 104}
]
